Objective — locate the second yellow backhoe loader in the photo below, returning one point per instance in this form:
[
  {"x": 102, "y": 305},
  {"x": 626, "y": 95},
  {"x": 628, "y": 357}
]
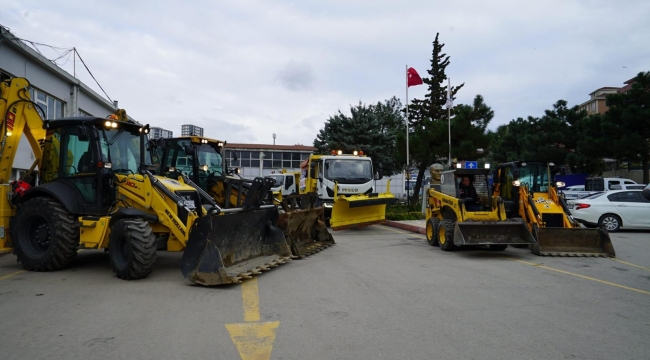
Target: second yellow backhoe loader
[
  {"x": 198, "y": 161},
  {"x": 529, "y": 192},
  {"x": 95, "y": 190}
]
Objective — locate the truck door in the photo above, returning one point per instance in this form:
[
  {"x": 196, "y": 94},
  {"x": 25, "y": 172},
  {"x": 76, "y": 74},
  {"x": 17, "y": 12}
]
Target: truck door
[{"x": 289, "y": 185}]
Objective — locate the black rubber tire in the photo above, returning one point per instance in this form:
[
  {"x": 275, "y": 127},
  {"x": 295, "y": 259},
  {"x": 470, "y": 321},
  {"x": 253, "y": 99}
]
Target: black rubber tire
[
  {"x": 448, "y": 244},
  {"x": 616, "y": 221},
  {"x": 45, "y": 235},
  {"x": 433, "y": 227},
  {"x": 132, "y": 249},
  {"x": 499, "y": 247}
]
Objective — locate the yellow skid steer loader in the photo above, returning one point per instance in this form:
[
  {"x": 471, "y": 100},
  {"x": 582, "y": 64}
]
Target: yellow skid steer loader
[{"x": 455, "y": 219}]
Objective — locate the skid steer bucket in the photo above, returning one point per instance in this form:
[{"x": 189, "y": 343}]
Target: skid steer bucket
[
  {"x": 303, "y": 225},
  {"x": 227, "y": 248},
  {"x": 573, "y": 242},
  {"x": 508, "y": 232},
  {"x": 360, "y": 210}
]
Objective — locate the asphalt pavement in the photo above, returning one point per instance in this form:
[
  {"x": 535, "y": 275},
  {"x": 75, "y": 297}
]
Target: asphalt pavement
[{"x": 379, "y": 293}]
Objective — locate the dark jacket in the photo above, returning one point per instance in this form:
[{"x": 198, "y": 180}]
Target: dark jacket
[{"x": 468, "y": 193}]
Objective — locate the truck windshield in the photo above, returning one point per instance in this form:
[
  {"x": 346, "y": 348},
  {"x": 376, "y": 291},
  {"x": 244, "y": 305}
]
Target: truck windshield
[
  {"x": 535, "y": 176},
  {"x": 121, "y": 147},
  {"x": 279, "y": 180},
  {"x": 350, "y": 171}
]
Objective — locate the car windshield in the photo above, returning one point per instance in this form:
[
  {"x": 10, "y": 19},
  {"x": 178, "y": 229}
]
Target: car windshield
[
  {"x": 121, "y": 147},
  {"x": 349, "y": 171},
  {"x": 593, "y": 196},
  {"x": 535, "y": 176}
]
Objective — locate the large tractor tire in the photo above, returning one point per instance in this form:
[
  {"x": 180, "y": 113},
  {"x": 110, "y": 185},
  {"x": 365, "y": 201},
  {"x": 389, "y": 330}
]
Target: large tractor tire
[
  {"x": 433, "y": 227},
  {"x": 45, "y": 235},
  {"x": 132, "y": 249},
  {"x": 446, "y": 235}
]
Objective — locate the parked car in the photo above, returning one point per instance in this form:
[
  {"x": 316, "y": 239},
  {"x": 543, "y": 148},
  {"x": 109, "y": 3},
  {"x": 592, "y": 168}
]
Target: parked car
[
  {"x": 596, "y": 185},
  {"x": 574, "y": 192},
  {"x": 614, "y": 210}
]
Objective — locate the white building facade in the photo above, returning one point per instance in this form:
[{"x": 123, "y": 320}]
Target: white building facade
[{"x": 55, "y": 91}]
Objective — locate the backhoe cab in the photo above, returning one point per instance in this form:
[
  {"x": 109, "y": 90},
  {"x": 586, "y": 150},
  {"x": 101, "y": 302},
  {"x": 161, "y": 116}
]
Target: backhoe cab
[{"x": 96, "y": 190}]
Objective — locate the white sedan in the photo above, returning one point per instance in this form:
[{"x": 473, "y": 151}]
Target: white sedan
[{"x": 614, "y": 210}]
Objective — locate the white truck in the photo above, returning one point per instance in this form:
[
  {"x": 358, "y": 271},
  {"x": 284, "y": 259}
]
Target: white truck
[{"x": 598, "y": 184}]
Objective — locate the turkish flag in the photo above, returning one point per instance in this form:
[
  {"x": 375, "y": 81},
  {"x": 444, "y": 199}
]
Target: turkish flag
[{"x": 413, "y": 77}]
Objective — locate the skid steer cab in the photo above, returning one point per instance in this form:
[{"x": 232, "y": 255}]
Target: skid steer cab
[{"x": 463, "y": 212}]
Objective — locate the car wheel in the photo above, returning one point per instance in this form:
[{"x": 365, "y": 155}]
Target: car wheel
[{"x": 610, "y": 222}]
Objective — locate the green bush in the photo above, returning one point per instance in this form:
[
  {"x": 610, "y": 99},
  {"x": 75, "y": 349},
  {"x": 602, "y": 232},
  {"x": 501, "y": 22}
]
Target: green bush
[{"x": 400, "y": 216}]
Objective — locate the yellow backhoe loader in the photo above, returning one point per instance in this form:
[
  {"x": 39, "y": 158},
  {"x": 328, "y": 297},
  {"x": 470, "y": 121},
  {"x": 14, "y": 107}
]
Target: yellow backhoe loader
[
  {"x": 199, "y": 161},
  {"x": 455, "y": 219},
  {"x": 95, "y": 190},
  {"x": 529, "y": 193},
  {"x": 344, "y": 184}
]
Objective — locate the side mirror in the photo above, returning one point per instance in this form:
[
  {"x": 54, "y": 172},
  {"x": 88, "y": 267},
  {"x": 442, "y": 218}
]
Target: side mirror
[
  {"x": 82, "y": 133},
  {"x": 515, "y": 173},
  {"x": 189, "y": 149},
  {"x": 380, "y": 171},
  {"x": 234, "y": 155},
  {"x": 562, "y": 171}
]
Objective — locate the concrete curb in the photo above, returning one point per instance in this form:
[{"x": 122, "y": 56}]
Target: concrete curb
[{"x": 407, "y": 227}]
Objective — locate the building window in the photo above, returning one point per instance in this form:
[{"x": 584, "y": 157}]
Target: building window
[
  {"x": 51, "y": 107},
  {"x": 275, "y": 160}
]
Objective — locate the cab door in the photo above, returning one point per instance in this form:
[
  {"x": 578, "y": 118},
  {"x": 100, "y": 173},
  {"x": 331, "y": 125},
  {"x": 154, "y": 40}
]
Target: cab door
[{"x": 71, "y": 157}]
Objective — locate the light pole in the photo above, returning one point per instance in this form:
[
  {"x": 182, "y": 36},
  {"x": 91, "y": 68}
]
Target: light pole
[{"x": 273, "y": 138}]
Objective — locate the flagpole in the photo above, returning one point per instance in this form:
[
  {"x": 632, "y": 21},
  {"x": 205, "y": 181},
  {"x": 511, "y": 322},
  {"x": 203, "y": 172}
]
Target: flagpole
[
  {"x": 407, "y": 115},
  {"x": 449, "y": 117},
  {"x": 407, "y": 178}
]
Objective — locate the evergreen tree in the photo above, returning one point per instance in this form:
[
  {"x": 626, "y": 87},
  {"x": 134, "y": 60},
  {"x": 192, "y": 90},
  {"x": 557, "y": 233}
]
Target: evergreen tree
[
  {"x": 372, "y": 129},
  {"x": 627, "y": 123}
]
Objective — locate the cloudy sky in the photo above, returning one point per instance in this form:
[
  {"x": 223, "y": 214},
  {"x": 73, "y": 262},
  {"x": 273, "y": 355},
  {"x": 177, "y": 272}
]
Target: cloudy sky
[{"x": 244, "y": 70}]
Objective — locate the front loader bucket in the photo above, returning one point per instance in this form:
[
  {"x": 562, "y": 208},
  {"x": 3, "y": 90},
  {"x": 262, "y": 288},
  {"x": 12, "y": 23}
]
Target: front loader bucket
[
  {"x": 303, "y": 225},
  {"x": 509, "y": 232},
  {"x": 573, "y": 242},
  {"x": 225, "y": 249},
  {"x": 360, "y": 210}
]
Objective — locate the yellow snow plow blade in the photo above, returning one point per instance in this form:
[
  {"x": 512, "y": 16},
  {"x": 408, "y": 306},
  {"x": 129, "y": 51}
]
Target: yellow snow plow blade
[
  {"x": 303, "y": 225},
  {"x": 573, "y": 242},
  {"x": 360, "y": 210}
]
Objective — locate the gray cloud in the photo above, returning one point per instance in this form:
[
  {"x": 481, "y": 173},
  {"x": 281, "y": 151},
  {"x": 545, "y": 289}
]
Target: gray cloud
[
  {"x": 232, "y": 67},
  {"x": 296, "y": 76}
]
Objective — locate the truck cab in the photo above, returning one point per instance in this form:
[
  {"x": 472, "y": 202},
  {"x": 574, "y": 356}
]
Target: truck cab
[{"x": 286, "y": 183}]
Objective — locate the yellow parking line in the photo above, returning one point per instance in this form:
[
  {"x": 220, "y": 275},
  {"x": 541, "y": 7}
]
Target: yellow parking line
[
  {"x": 583, "y": 277},
  {"x": 630, "y": 264},
  {"x": 5, "y": 277}
]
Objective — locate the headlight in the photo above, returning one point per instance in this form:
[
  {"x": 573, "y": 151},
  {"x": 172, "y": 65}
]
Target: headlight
[
  {"x": 516, "y": 183},
  {"x": 560, "y": 184}
]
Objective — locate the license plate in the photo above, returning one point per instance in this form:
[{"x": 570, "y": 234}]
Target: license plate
[{"x": 189, "y": 204}]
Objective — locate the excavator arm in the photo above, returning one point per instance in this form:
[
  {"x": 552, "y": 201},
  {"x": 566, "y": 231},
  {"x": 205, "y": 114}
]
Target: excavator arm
[{"x": 19, "y": 116}]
